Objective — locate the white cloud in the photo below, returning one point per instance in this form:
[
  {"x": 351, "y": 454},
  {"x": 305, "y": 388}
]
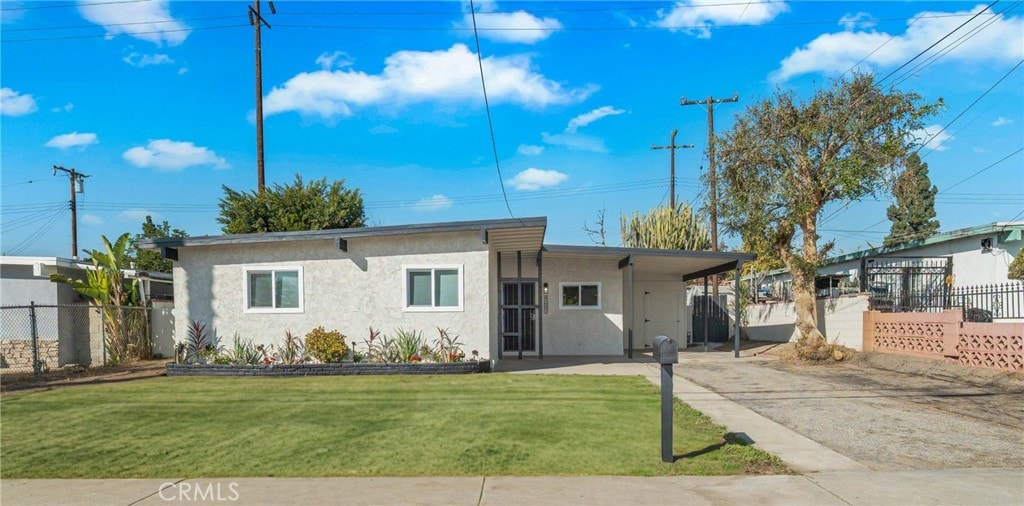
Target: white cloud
[
  {"x": 137, "y": 215},
  {"x": 335, "y": 60},
  {"x": 92, "y": 219},
  {"x": 449, "y": 75},
  {"x": 123, "y": 18},
  {"x": 72, "y": 140},
  {"x": 172, "y": 156},
  {"x": 860, "y": 20},
  {"x": 65, "y": 108},
  {"x": 182, "y": 71},
  {"x": 1002, "y": 121},
  {"x": 697, "y": 17},
  {"x": 837, "y": 52},
  {"x": 13, "y": 103},
  {"x": 11, "y": 13},
  {"x": 937, "y": 137},
  {"x": 589, "y": 117},
  {"x": 519, "y": 26},
  {"x": 435, "y": 203},
  {"x": 980, "y": 150},
  {"x": 534, "y": 179},
  {"x": 578, "y": 142},
  {"x": 145, "y": 60},
  {"x": 529, "y": 149},
  {"x": 383, "y": 129}
]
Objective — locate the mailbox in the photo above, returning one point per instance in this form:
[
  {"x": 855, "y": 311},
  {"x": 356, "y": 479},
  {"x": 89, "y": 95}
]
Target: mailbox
[{"x": 666, "y": 351}]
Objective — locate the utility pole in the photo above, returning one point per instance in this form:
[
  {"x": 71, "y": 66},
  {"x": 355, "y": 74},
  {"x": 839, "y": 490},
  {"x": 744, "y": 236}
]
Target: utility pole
[
  {"x": 77, "y": 186},
  {"x": 712, "y": 181},
  {"x": 672, "y": 147},
  {"x": 257, "y": 21}
]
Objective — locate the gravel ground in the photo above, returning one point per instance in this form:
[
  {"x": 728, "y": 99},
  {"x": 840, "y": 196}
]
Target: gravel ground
[{"x": 885, "y": 419}]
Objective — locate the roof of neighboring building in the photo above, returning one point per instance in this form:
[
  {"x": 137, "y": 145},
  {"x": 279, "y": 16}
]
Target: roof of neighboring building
[
  {"x": 73, "y": 263},
  {"x": 1013, "y": 229},
  {"x": 346, "y": 233},
  {"x": 1010, "y": 230}
]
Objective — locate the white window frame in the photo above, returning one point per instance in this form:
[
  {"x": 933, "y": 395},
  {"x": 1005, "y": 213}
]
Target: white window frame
[
  {"x": 406, "y": 269},
  {"x": 580, "y": 284},
  {"x": 273, "y": 287}
]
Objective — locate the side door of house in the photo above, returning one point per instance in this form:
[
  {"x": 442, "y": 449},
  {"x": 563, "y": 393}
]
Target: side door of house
[{"x": 663, "y": 315}]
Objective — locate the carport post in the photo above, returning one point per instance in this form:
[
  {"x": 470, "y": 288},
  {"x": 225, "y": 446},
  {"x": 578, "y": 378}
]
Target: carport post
[
  {"x": 629, "y": 336},
  {"x": 707, "y": 311},
  {"x": 736, "y": 291}
]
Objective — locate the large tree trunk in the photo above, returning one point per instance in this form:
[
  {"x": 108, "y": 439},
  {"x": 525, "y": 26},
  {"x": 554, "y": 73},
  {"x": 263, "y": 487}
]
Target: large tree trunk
[{"x": 811, "y": 343}]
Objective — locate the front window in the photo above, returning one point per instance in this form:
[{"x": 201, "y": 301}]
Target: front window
[
  {"x": 580, "y": 295},
  {"x": 434, "y": 288},
  {"x": 273, "y": 290}
]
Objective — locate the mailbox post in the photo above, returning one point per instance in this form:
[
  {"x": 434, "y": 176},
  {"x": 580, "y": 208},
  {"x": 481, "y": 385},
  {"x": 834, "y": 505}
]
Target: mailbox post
[{"x": 666, "y": 353}]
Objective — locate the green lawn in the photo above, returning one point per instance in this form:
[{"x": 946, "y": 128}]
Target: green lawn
[{"x": 489, "y": 424}]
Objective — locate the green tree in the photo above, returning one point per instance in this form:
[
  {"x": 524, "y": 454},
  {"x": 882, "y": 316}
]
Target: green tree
[
  {"x": 784, "y": 159},
  {"x": 116, "y": 298},
  {"x": 665, "y": 228},
  {"x": 1017, "y": 267},
  {"x": 148, "y": 260},
  {"x": 913, "y": 214},
  {"x": 297, "y": 206}
]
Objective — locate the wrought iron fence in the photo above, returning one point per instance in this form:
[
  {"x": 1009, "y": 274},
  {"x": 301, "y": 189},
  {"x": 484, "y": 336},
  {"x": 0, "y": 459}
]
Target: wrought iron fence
[
  {"x": 979, "y": 303},
  {"x": 38, "y": 338}
]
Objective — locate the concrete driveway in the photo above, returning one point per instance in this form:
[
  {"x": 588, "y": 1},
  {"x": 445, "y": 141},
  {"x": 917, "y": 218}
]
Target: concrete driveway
[{"x": 886, "y": 420}]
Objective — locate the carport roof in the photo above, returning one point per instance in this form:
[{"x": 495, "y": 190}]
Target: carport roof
[{"x": 685, "y": 263}]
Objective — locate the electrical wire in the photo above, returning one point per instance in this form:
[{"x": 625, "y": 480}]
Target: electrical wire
[
  {"x": 58, "y": 6},
  {"x": 487, "y": 107},
  {"x": 104, "y": 35},
  {"x": 37, "y": 234}
]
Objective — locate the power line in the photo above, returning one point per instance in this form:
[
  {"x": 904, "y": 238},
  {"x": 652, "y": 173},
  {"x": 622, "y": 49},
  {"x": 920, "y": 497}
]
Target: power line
[
  {"x": 944, "y": 37},
  {"x": 487, "y": 107},
  {"x": 70, "y": 37},
  {"x": 1001, "y": 160},
  {"x": 58, "y": 6},
  {"x": 127, "y": 23}
]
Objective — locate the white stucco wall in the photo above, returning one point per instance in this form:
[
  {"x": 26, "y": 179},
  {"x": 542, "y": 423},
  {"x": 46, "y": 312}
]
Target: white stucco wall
[
  {"x": 840, "y": 319},
  {"x": 583, "y": 331},
  {"x": 348, "y": 291}
]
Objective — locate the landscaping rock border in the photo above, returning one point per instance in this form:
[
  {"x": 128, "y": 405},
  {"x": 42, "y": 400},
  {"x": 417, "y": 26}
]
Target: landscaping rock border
[{"x": 344, "y": 369}]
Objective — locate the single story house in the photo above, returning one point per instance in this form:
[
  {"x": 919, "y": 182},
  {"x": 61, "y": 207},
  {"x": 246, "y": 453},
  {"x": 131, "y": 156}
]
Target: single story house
[{"x": 493, "y": 283}]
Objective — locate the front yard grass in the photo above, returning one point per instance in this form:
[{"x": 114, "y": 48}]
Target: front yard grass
[{"x": 491, "y": 424}]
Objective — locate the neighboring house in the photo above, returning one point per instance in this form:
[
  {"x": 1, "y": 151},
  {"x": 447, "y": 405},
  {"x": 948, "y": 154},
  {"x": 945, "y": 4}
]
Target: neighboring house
[
  {"x": 62, "y": 316},
  {"x": 966, "y": 267},
  {"x": 493, "y": 283}
]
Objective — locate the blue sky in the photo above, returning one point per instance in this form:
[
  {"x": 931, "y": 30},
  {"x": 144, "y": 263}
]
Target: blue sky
[{"x": 154, "y": 100}]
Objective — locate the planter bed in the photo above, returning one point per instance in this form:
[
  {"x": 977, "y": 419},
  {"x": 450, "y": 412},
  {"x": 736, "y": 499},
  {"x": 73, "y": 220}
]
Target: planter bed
[{"x": 344, "y": 369}]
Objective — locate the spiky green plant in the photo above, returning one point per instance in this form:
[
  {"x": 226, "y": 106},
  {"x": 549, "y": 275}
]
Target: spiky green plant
[
  {"x": 665, "y": 228},
  {"x": 407, "y": 343}
]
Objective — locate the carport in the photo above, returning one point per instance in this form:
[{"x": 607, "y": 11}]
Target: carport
[{"x": 653, "y": 265}]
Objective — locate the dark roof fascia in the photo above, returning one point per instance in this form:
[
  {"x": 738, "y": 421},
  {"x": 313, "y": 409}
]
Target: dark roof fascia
[
  {"x": 344, "y": 233},
  {"x": 725, "y": 256}
]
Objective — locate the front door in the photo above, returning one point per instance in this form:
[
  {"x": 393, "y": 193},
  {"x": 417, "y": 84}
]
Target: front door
[
  {"x": 519, "y": 316},
  {"x": 663, "y": 315}
]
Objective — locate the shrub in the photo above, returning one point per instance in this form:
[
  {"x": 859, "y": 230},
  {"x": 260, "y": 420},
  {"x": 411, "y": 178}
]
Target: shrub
[
  {"x": 291, "y": 351},
  {"x": 243, "y": 352},
  {"x": 326, "y": 346}
]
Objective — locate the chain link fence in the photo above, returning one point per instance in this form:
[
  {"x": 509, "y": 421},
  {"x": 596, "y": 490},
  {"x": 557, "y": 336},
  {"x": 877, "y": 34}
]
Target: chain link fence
[{"x": 38, "y": 338}]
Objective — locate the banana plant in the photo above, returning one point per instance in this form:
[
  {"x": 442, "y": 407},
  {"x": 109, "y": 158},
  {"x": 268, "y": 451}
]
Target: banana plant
[{"x": 115, "y": 298}]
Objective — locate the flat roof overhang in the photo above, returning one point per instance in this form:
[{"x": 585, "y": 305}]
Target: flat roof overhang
[
  {"x": 684, "y": 265},
  {"x": 514, "y": 233}
]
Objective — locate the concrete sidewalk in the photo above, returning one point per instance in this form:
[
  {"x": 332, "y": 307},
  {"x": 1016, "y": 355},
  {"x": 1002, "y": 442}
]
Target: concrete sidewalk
[{"x": 972, "y": 486}]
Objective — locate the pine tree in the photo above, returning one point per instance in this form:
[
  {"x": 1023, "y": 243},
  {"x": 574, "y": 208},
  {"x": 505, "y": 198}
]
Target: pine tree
[{"x": 913, "y": 215}]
